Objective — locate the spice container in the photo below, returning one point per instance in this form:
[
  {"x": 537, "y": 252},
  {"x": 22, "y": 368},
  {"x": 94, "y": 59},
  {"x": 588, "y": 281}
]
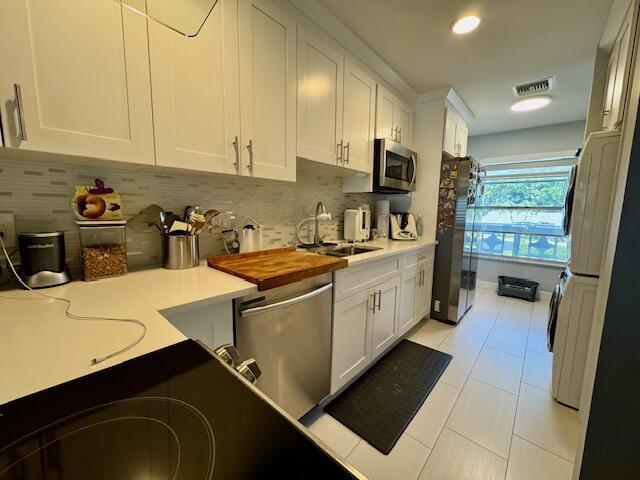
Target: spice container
[{"x": 104, "y": 249}]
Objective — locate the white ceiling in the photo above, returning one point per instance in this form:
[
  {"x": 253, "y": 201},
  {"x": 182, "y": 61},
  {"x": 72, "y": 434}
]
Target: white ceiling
[{"x": 517, "y": 41}]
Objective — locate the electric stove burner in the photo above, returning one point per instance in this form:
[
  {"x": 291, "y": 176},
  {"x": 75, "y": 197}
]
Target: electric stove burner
[
  {"x": 145, "y": 437},
  {"x": 179, "y": 413}
]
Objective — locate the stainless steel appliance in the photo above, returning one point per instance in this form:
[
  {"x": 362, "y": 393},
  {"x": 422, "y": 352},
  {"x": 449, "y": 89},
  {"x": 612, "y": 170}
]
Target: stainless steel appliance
[
  {"x": 403, "y": 226},
  {"x": 42, "y": 256},
  {"x": 288, "y": 331},
  {"x": 394, "y": 167},
  {"x": 180, "y": 251},
  {"x": 456, "y": 260}
]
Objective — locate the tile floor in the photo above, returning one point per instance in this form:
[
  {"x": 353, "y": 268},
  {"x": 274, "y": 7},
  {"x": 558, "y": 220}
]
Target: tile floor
[{"x": 491, "y": 414}]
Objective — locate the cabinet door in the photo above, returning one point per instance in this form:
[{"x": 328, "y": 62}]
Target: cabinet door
[
  {"x": 385, "y": 115},
  {"x": 267, "y": 50},
  {"x": 385, "y": 317},
  {"x": 449, "y": 141},
  {"x": 82, "y": 69},
  {"x": 607, "y": 106},
  {"x": 423, "y": 291},
  {"x": 408, "y": 295},
  {"x": 320, "y": 77},
  {"x": 620, "y": 85},
  {"x": 404, "y": 122},
  {"x": 351, "y": 344},
  {"x": 196, "y": 109},
  {"x": 359, "y": 118},
  {"x": 462, "y": 138}
]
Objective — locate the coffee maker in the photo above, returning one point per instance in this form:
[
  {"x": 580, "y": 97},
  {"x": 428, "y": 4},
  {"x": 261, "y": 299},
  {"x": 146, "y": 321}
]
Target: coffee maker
[{"x": 42, "y": 257}]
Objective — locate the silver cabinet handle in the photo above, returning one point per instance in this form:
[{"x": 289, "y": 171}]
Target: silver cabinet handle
[
  {"x": 250, "y": 150},
  {"x": 339, "y": 153},
  {"x": 421, "y": 278},
  {"x": 346, "y": 152},
  {"x": 236, "y": 164},
  {"x": 379, "y": 299},
  {"x": 395, "y": 134},
  {"x": 399, "y": 135},
  {"x": 17, "y": 90},
  {"x": 373, "y": 308},
  {"x": 285, "y": 303}
]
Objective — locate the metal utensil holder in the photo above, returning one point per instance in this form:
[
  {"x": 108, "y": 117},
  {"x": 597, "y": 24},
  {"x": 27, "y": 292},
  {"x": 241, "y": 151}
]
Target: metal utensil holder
[{"x": 180, "y": 251}]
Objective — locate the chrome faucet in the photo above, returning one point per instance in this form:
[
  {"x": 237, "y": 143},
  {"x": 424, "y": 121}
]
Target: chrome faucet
[{"x": 321, "y": 214}]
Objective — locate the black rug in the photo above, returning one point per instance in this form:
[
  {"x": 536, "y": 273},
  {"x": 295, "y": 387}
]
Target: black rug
[{"x": 381, "y": 403}]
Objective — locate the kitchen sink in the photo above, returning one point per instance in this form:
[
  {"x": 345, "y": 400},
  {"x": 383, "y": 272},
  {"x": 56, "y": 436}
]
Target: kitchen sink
[{"x": 348, "y": 250}]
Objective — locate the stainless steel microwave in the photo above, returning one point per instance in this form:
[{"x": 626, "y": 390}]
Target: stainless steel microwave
[{"x": 394, "y": 167}]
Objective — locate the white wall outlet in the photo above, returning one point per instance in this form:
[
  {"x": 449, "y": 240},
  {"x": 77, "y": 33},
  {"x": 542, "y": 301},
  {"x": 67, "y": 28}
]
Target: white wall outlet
[{"x": 8, "y": 229}]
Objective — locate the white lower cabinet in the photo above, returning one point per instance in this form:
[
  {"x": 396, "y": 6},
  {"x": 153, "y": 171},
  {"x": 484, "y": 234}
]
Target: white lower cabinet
[
  {"x": 385, "y": 316},
  {"x": 351, "y": 351},
  {"x": 375, "y": 304}
]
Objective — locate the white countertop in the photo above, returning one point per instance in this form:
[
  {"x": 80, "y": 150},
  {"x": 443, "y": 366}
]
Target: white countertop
[
  {"x": 40, "y": 347},
  {"x": 389, "y": 247}
]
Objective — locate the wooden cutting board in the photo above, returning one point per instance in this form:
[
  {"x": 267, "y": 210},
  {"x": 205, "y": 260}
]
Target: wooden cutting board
[{"x": 274, "y": 268}]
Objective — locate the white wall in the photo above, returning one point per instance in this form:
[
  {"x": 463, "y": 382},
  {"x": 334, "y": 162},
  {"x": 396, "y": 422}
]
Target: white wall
[
  {"x": 547, "y": 276},
  {"x": 538, "y": 141}
]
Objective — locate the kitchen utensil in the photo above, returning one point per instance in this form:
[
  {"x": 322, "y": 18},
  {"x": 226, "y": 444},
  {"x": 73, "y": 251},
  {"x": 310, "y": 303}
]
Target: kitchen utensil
[
  {"x": 180, "y": 251},
  {"x": 179, "y": 228},
  {"x": 167, "y": 219},
  {"x": 251, "y": 237},
  {"x": 42, "y": 256},
  {"x": 147, "y": 219}
]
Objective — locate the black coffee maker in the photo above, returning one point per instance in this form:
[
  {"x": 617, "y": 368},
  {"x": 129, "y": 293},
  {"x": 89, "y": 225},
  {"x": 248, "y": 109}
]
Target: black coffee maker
[{"x": 42, "y": 257}]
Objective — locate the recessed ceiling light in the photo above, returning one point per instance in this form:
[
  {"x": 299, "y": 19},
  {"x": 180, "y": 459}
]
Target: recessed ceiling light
[
  {"x": 529, "y": 104},
  {"x": 466, "y": 24}
]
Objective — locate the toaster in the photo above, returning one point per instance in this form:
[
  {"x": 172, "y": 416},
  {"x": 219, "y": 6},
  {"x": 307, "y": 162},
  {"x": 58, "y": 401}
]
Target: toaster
[
  {"x": 403, "y": 226},
  {"x": 357, "y": 224}
]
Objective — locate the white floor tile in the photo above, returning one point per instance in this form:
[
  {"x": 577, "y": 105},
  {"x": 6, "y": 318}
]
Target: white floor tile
[
  {"x": 460, "y": 366},
  {"x": 489, "y": 301},
  {"x": 335, "y": 435},
  {"x": 499, "y": 369},
  {"x": 477, "y": 317},
  {"x": 514, "y": 320},
  {"x": 467, "y": 337},
  {"x": 485, "y": 415},
  {"x": 404, "y": 462},
  {"x": 508, "y": 341},
  {"x": 430, "y": 419},
  {"x": 457, "y": 458},
  {"x": 537, "y": 369},
  {"x": 431, "y": 333},
  {"x": 545, "y": 423},
  {"x": 538, "y": 340},
  {"x": 528, "y": 462}
]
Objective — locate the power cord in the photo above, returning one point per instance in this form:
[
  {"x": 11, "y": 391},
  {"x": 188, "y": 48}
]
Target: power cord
[{"x": 72, "y": 316}]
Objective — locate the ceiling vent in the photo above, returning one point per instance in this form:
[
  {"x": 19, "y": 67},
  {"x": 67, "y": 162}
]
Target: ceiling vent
[{"x": 533, "y": 88}]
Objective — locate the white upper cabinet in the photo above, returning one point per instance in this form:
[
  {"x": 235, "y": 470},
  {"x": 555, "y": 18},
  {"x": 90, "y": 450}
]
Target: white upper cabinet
[
  {"x": 456, "y": 134},
  {"x": 75, "y": 79},
  {"x": 267, "y": 50},
  {"x": 196, "y": 99},
  {"x": 320, "y": 95},
  {"x": 617, "y": 78},
  {"x": 359, "y": 118},
  {"x": 394, "y": 118}
]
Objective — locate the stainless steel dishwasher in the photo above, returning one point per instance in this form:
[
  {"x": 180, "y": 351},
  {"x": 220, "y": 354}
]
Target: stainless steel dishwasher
[{"x": 288, "y": 331}]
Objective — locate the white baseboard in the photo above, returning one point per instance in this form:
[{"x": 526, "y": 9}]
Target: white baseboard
[{"x": 493, "y": 286}]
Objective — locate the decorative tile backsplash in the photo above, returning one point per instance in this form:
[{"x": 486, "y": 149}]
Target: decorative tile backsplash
[{"x": 38, "y": 192}]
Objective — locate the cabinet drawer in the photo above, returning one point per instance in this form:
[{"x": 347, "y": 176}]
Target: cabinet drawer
[
  {"x": 360, "y": 277},
  {"x": 414, "y": 258}
]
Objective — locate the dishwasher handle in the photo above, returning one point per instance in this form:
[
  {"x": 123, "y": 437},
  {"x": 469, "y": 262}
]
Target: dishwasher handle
[{"x": 285, "y": 303}]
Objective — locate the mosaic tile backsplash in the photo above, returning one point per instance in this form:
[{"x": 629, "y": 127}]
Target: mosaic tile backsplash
[{"x": 38, "y": 193}]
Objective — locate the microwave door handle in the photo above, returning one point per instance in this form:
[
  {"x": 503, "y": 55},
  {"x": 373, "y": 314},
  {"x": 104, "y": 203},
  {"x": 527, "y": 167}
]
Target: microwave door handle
[{"x": 415, "y": 169}]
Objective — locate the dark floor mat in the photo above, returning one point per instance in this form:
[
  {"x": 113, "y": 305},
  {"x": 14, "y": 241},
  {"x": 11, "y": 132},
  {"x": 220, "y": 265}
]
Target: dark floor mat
[{"x": 380, "y": 404}]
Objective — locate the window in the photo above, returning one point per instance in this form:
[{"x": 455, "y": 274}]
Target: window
[{"x": 521, "y": 212}]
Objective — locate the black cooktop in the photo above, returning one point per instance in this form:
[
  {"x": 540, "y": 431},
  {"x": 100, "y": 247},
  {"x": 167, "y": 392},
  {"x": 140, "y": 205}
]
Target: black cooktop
[{"x": 177, "y": 413}]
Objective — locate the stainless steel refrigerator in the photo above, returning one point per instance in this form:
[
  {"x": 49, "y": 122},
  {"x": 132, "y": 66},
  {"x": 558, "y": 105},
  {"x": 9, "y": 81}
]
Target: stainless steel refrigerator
[{"x": 456, "y": 261}]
